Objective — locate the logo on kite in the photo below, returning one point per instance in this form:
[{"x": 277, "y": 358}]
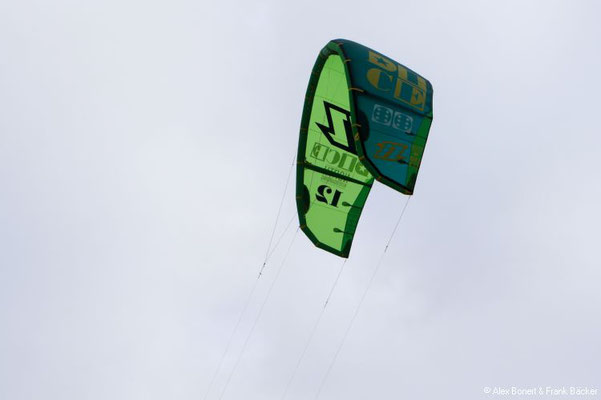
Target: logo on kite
[
  {"x": 391, "y": 151},
  {"x": 388, "y": 117},
  {"x": 338, "y": 131}
]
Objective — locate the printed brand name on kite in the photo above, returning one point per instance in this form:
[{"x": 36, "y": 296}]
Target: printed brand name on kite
[
  {"x": 391, "y": 151},
  {"x": 406, "y": 86},
  {"x": 394, "y": 151},
  {"x": 344, "y": 161}
]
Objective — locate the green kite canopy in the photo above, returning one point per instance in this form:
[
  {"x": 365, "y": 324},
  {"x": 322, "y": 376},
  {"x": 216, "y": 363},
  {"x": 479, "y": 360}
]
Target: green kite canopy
[{"x": 365, "y": 116}]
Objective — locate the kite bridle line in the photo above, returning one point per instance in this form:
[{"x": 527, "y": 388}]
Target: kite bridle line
[{"x": 277, "y": 218}]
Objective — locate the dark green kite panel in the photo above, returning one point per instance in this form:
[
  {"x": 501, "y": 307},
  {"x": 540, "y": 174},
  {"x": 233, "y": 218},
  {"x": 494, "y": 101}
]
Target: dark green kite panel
[{"x": 393, "y": 105}]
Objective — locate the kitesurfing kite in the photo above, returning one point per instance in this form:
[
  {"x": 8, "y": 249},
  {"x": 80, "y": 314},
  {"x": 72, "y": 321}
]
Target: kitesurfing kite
[{"x": 365, "y": 117}]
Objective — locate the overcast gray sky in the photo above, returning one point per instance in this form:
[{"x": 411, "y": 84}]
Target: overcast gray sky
[{"x": 144, "y": 149}]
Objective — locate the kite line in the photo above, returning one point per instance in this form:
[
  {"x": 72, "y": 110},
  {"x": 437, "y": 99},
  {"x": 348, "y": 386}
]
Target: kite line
[
  {"x": 258, "y": 316},
  {"x": 313, "y": 330},
  {"x": 363, "y": 296},
  {"x": 268, "y": 253}
]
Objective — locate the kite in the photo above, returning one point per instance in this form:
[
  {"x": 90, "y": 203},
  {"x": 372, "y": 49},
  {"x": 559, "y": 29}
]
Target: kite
[{"x": 365, "y": 118}]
